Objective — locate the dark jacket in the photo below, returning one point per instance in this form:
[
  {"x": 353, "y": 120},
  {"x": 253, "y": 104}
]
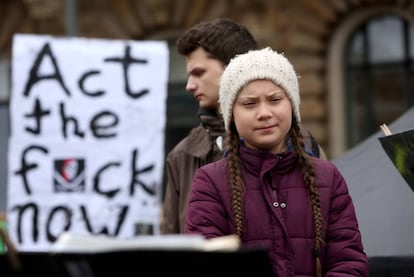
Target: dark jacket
[
  {"x": 278, "y": 213},
  {"x": 196, "y": 150}
]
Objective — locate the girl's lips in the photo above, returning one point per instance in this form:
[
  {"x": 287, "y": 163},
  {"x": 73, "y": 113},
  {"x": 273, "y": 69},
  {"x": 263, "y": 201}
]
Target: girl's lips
[{"x": 266, "y": 127}]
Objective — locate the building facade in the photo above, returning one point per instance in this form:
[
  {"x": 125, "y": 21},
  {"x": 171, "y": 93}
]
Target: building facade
[{"x": 354, "y": 57}]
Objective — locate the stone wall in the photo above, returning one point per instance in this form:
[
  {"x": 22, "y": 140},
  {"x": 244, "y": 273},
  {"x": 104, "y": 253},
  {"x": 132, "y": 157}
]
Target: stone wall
[{"x": 301, "y": 29}]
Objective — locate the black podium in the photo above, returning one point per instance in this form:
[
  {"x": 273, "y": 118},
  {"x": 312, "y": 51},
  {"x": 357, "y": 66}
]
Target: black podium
[{"x": 250, "y": 262}]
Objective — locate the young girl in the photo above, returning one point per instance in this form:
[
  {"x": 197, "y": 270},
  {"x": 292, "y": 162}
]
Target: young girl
[{"x": 267, "y": 189}]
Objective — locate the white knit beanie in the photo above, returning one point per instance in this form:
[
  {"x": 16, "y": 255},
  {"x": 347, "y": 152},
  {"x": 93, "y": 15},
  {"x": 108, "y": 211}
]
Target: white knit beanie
[{"x": 257, "y": 65}]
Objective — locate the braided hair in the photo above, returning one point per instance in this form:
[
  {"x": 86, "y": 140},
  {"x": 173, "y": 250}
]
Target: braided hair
[{"x": 304, "y": 162}]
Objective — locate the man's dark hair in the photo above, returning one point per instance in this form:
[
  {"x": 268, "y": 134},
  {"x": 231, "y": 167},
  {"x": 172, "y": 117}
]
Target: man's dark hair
[{"x": 220, "y": 37}]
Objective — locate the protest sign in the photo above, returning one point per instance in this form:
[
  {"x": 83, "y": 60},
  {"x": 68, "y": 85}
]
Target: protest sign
[{"x": 86, "y": 150}]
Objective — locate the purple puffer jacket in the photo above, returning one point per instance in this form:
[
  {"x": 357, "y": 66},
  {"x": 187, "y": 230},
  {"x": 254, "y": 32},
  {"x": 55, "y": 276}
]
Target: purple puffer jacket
[{"x": 278, "y": 213}]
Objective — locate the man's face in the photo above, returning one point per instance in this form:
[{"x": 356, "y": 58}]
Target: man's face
[{"x": 204, "y": 73}]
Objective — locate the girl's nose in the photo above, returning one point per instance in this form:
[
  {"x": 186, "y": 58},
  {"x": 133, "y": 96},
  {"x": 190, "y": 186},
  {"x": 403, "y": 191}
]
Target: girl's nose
[{"x": 264, "y": 111}]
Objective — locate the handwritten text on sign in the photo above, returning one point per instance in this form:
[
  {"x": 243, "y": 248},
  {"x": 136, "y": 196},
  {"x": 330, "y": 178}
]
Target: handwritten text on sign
[{"x": 86, "y": 150}]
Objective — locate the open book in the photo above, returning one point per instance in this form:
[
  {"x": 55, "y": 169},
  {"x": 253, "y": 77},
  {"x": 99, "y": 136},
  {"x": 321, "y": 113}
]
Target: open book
[{"x": 69, "y": 242}]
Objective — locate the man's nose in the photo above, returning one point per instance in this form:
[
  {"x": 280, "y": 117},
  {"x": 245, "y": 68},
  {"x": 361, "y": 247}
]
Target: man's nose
[{"x": 191, "y": 85}]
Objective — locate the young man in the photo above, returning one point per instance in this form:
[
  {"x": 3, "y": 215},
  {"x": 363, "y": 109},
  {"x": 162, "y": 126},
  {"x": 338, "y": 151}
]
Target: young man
[{"x": 207, "y": 47}]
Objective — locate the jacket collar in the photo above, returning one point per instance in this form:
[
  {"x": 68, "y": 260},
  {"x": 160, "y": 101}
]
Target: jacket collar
[
  {"x": 259, "y": 162},
  {"x": 202, "y": 139},
  {"x": 211, "y": 121}
]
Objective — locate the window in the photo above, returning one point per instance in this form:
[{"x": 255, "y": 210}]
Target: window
[{"x": 378, "y": 75}]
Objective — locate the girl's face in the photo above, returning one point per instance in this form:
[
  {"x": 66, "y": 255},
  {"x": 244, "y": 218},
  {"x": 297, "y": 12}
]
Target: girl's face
[{"x": 262, "y": 113}]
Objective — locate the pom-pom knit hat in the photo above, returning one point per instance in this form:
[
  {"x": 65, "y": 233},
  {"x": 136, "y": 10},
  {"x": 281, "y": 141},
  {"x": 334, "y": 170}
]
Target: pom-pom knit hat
[{"x": 260, "y": 64}]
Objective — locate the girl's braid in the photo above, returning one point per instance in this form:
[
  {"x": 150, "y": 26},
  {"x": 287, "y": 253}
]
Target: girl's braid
[
  {"x": 309, "y": 176},
  {"x": 235, "y": 179}
]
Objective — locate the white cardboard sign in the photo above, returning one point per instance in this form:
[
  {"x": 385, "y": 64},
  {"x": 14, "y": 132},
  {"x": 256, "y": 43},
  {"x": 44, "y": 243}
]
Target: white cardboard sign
[{"x": 86, "y": 150}]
